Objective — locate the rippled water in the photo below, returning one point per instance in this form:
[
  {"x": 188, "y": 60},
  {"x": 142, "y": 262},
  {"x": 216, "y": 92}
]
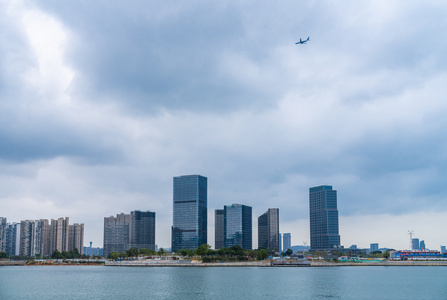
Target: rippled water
[{"x": 99, "y": 282}]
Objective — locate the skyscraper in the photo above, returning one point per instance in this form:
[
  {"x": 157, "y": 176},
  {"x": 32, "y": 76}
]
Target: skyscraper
[
  {"x": 287, "y": 242},
  {"x": 13, "y": 239},
  {"x": 238, "y": 226},
  {"x": 143, "y": 229},
  {"x": 189, "y": 224},
  {"x": 373, "y": 247},
  {"x": 323, "y": 217},
  {"x": 422, "y": 245},
  {"x": 268, "y": 230},
  {"x": 219, "y": 228}
]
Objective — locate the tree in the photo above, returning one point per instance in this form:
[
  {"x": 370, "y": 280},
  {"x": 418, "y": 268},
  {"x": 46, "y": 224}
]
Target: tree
[
  {"x": 162, "y": 251},
  {"x": 56, "y": 254},
  {"x": 132, "y": 252},
  {"x": 262, "y": 254},
  {"x": 115, "y": 255},
  {"x": 202, "y": 249},
  {"x": 147, "y": 252},
  {"x": 289, "y": 252},
  {"x": 3, "y": 255}
]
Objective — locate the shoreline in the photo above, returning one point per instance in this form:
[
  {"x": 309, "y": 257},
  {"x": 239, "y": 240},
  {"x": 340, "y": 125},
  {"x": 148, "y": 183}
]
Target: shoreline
[{"x": 187, "y": 263}]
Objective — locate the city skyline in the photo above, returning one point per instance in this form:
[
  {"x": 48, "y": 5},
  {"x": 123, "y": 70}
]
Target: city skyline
[{"x": 102, "y": 105}]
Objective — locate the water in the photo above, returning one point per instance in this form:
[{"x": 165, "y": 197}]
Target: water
[{"x": 99, "y": 282}]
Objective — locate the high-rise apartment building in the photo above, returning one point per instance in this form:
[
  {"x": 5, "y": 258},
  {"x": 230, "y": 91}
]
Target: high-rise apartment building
[
  {"x": 443, "y": 249},
  {"x": 13, "y": 239},
  {"x": 3, "y": 228},
  {"x": 238, "y": 226},
  {"x": 287, "y": 241},
  {"x": 268, "y": 230},
  {"x": 323, "y": 217},
  {"x": 219, "y": 228},
  {"x": 189, "y": 224},
  {"x": 59, "y": 235},
  {"x": 117, "y": 233}
]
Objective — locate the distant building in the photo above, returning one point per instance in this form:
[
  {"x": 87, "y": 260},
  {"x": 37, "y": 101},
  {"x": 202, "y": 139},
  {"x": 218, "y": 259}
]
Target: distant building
[
  {"x": 189, "y": 224},
  {"x": 238, "y": 226},
  {"x": 415, "y": 254},
  {"x": 443, "y": 249},
  {"x": 415, "y": 244},
  {"x": 324, "y": 234},
  {"x": 373, "y": 247},
  {"x": 268, "y": 230},
  {"x": 422, "y": 245},
  {"x": 353, "y": 247},
  {"x": 280, "y": 243},
  {"x": 219, "y": 229},
  {"x": 299, "y": 248},
  {"x": 90, "y": 251},
  {"x": 287, "y": 242}
]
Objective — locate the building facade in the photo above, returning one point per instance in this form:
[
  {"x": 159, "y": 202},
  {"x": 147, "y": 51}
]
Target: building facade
[
  {"x": 143, "y": 230},
  {"x": 3, "y": 229},
  {"x": 268, "y": 230},
  {"x": 189, "y": 224},
  {"x": 373, "y": 247},
  {"x": 238, "y": 226},
  {"x": 13, "y": 239},
  {"x": 125, "y": 231},
  {"x": 117, "y": 233},
  {"x": 323, "y": 216},
  {"x": 219, "y": 229},
  {"x": 287, "y": 241},
  {"x": 415, "y": 244}
]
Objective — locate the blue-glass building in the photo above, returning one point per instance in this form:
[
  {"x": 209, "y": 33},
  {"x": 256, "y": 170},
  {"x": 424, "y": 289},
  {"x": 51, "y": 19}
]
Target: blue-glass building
[
  {"x": 268, "y": 230},
  {"x": 189, "y": 224},
  {"x": 219, "y": 229},
  {"x": 238, "y": 226},
  {"x": 323, "y": 216}
]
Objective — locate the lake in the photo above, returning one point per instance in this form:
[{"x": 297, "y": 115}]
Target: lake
[{"x": 100, "y": 282}]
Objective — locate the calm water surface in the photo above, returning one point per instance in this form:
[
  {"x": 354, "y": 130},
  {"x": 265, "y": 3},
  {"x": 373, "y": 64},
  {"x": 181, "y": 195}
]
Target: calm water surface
[{"x": 98, "y": 282}]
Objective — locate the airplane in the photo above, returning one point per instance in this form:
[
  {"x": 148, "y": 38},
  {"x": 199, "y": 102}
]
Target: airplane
[{"x": 303, "y": 42}]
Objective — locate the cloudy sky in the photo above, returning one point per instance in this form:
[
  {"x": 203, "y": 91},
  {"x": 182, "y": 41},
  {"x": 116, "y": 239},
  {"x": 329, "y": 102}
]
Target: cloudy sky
[{"x": 102, "y": 103}]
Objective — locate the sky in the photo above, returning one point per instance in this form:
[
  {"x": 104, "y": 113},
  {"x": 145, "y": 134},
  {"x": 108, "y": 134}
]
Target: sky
[{"x": 103, "y": 103}]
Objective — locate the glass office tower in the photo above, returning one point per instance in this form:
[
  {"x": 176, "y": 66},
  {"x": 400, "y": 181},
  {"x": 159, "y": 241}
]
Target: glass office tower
[
  {"x": 323, "y": 218},
  {"x": 219, "y": 230},
  {"x": 268, "y": 230},
  {"x": 143, "y": 229},
  {"x": 238, "y": 226},
  {"x": 189, "y": 224}
]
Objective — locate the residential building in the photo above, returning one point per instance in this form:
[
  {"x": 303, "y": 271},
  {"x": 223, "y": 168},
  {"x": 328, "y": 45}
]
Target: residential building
[
  {"x": 373, "y": 247},
  {"x": 117, "y": 233},
  {"x": 268, "y": 230},
  {"x": 443, "y": 249},
  {"x": 287, "y": 242},
  {"x": 415, "y": 244},
  {"x": 13, "y": 239},
  {"x": 59, "y": 235},
  {"x": 3, "y": 229},
  {"x": 323, "y": 216},
  {"x": 219, "y": 229},
  {"x": 189, "y": 224},
  {"x": 238, "y": 226},
  {"x": 76, "y": 237}
]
